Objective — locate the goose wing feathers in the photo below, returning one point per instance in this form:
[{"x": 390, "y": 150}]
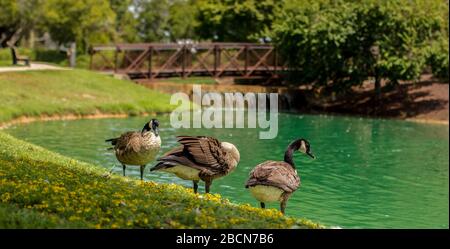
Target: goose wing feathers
[
  {"x": 129, "y": 141},
  {"x": 274, "y": 173},
  {"x": 206, "y": 151},
  {"x": 203, "y": 153}
]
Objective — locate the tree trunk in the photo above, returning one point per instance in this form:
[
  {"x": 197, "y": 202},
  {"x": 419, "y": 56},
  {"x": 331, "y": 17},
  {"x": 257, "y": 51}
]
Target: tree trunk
[
  {"x": 15, "y": 37},
  {"x": 31, "y": 39},
  {"x": 72, "y": 54}
]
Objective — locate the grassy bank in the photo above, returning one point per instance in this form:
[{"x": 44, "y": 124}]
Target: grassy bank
[
  {"x": 39, "y": 188},
  {"x": 42, "y": 189},
  {"x": 80, "y": 92}
]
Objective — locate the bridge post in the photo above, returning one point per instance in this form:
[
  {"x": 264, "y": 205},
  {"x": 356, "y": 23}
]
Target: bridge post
[
  {"x": 91, "y": 54},
  {"x": 216, "y": 59},
  {"x": 150, "y": 52},
  {"x": 246, "y": 59},
  {"x": 275, "y": 63},
  {"x": 90, "y": 61},
  {"x": 116, "y": 58},
  {"x": 183, "y": 61}
]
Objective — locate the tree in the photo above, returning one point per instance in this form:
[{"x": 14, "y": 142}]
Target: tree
[
  {"x": 17, "y": 19},
  {"x": 125, "y": 22},
  {"x": 234, "y": 20},
  {"x": 182, "y": 21},
  {"x": 166, "y": 20},
  {"x": 153, "y": 17},
  {"x": 84, "y": 21},
  {"x": 341, "y": 43}
]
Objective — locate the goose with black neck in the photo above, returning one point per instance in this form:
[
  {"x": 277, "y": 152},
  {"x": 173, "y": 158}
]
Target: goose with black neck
[{"x": 272, "y": 181}]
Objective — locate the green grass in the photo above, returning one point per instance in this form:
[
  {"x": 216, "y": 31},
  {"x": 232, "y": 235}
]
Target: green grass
[
  {"x": 42, "y": 189},
  {"x": 6, "y": 64},
  {"x": 33, "y": 93},
  {"x": 190, "y": 80},
  {"x": 12, "y": 216},
  {"x": 9, "y": 64}
]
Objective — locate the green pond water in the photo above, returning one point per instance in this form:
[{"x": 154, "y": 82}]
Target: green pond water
[{"x": 368, "y": 173}]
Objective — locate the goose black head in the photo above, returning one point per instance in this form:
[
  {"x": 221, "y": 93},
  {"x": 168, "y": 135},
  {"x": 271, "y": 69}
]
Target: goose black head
[
  {"x": 301, "y": 145},
  {"x": 304, "y": 147},
  {"x": 152, "y": 126}
]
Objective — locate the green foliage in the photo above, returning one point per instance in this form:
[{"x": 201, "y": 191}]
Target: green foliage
[
  {"x": 85, "y": 22},
  {"x": 166, "y": 20},
  {"x": 345, "y": 42},
  {"x": 41, "y": 189},
  {"x": 125, "y": 23},
  {"x": 35, "y": 93},
  {"x": 330, "y": 42},
  {"x": 12, "y": 217},
  {"x": 9, "y": 13},
  {"x": 234, "y": 20},
  {"x": 153, "y": 20},
  {"x": 437, "y": 58},
  {"x": 43, "y": 55},
  {"x": 17, "y": 18},
  {"x": 182, "y": 21}
]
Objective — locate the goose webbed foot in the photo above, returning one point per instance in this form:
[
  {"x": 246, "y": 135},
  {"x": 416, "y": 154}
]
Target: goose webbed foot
[
  {"x": 283, "y": 202},
  {"x": 195, "y": 186},
  {"x": 263, "y": 205},
  {"x": 283, "y": 206},
  {"x": 142, "y": 172},
  {"x": 124, "y": 167},
  {"x": 207, "y": 185}
]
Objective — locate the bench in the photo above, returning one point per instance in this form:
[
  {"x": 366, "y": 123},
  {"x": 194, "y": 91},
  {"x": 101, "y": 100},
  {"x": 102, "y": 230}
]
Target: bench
[{"x": 16, "y": 57}]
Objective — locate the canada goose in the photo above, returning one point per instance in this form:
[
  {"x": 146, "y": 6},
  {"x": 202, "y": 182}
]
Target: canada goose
[
  {"x": 277, "y": 180},
  {"x": 199, "y": 158},
  {"x": 138, "y": 148}
]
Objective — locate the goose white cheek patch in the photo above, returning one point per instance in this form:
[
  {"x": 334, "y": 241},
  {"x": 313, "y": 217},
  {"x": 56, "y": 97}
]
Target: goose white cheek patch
[{"x": 226, "y": 110}]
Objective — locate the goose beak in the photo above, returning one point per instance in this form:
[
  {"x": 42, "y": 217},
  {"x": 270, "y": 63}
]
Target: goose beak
[{"x": 311, "y": 155}]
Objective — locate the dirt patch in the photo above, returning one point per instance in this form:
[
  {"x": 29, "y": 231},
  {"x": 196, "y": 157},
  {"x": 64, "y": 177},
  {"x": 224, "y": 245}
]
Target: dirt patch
[{"x": 424, "y": 101}]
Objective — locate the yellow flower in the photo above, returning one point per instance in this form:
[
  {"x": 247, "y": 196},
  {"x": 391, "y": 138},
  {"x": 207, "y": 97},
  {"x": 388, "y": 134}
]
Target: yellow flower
[{"x": 5, "y": 197}]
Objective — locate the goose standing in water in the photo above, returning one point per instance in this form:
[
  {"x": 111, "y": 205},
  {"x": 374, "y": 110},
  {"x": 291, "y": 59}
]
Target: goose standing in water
[
  {"x": 138, "y": 148},
  {"x": 199, "y": 158},
  {"x": 276, "y": 180}
]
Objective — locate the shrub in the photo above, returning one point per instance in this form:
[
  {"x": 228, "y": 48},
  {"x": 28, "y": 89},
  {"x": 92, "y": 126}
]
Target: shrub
[
  {"x": 341, "y": 43},
  {"x": 437, "y": 58}
]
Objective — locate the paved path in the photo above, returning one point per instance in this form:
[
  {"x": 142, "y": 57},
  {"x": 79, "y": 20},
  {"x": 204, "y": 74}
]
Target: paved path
[{"x": 33, "y": 66}]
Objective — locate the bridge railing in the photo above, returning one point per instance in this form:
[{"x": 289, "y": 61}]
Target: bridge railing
[{"x": 156, "y": 60}]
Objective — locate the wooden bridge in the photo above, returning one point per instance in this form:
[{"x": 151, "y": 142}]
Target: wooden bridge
[{"x": 159, "y": 60}]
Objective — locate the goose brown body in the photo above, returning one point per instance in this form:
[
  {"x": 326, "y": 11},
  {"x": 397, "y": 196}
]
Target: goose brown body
[
  {"x": 277, "y": 174},
  {"x": 199, "y": 158},
  {"x": 137, "y": 148},
  {"x": 276, "y": 180}
]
